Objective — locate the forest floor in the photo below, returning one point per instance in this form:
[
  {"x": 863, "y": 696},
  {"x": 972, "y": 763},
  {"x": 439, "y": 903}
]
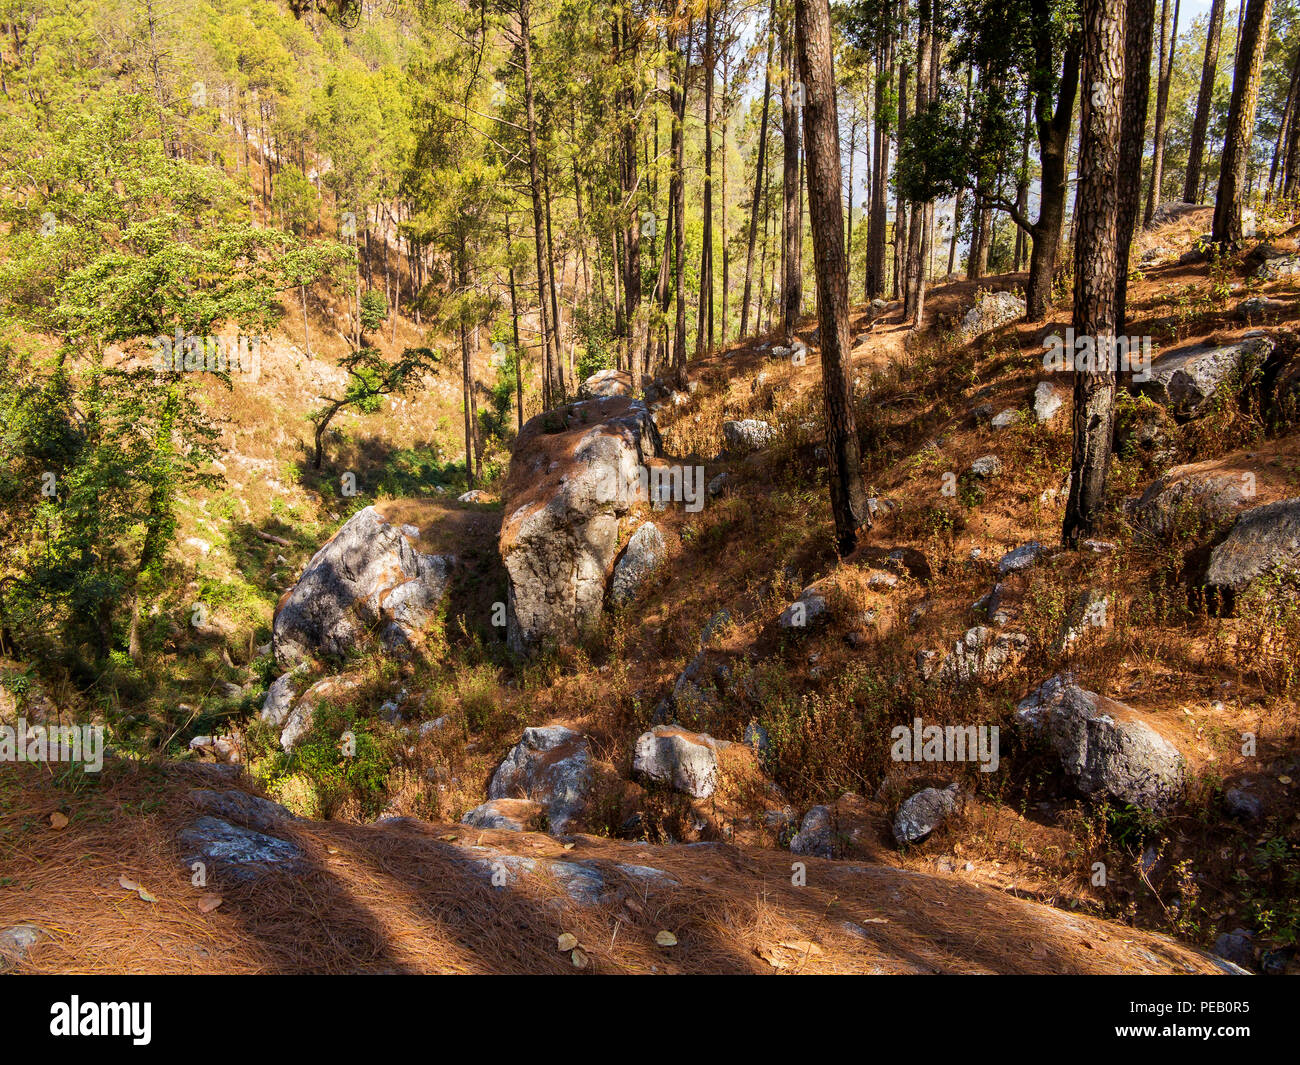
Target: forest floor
[{"x": 405, "y": 895}]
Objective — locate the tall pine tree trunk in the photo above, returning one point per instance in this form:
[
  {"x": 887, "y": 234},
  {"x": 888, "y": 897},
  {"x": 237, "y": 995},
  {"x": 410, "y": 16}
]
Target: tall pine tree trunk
[
  {"x": 1241, "y": 124},
  {"x": 826, "y": 208},
  {"x": 1096, "y": 263},
  {"x": 1209, "y": 68}
]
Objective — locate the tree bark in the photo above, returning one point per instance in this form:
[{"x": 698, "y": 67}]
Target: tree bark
[
  {"x": 1140, "y": 18},
  {"x": 551, "y": 354},
  {"x": 1241, "y": 124},
  {"x": 1168, "y": 36},
  {"x": 1096, "y": 263},
  {"x": 760, "y": 171},
  {"x": 791, "y": 230},
  {"x": 826, "y": 209},
  {"x": 1209, "y": 68}
]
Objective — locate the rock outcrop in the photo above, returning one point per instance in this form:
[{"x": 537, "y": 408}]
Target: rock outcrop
[
  {"x": 1187, "y": 379},
  {"x": 1263, "y": 539},
  {"x": 550, "y": 766},
  {"x": 1105, "y": 747},
  {"x": 368, "y": 577},
  {"x": 575, "y": 473}
]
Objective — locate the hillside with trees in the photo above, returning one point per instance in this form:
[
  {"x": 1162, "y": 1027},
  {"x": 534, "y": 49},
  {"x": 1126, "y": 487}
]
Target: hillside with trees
[{"x": 716, "y": 485}]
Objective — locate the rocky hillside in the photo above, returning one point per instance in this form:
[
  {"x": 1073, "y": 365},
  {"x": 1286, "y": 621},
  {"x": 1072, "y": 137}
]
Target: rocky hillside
[{"x": 626, "y": 709}]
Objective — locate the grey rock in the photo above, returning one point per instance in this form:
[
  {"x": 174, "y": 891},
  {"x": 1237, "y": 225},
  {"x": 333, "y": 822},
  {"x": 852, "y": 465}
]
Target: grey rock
[
  {"x": 1263, "y": 539},
  {"x": 922, "y": 813},
  {"x": 510, "y": 815},
  {"x": 688, "y": 761},
  {"x": 808, "y": 609},
  {"x": 1005, "y": 419},
  {"x": 560, "y": 535},
  {"x": 644, "y": 554},
  {"x": 368, "y": 575},
  {"x": 238, "y": 854},
  {"x": 15, "y": 942},
  {"x": 605, "y": 383},
  {"x": 1205, "y": 500},
  {"x": 747, "y": 435},
  {"x": 1187, "y": 379},
  {"x": 249, "y": 810},
  {"x": 1277, "y": 268},
  {"x": 1048, "y": 399},
  {"x": 815, "y": 837},
  {"x": 986, "y": 466},
  {"x": 1237, "y": 946},
  {"x": 1258, "y": 307},
  {"x": 1021, "y": 558},
  {"x": 1243, "y": 805},
  {"x": 990, "y": 310},
  {"x": 718, "y": 484},
  {"x": 1105, "y": 747},
  {"x": 981, "y": 654},
  {"x": 282, "y": 694},
  {"x": 552, "y": 767}
]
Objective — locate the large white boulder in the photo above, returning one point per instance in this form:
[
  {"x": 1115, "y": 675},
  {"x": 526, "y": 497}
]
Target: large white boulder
[{"x": 369, "y": 576}]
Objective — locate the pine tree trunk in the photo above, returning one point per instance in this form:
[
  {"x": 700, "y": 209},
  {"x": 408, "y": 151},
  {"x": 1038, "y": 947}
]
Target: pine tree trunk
[
  {"x": 550, "y": 350},
  {"x": 1209, "y": 68},
  {"x": 1241, "y": 124},
  {"x": 1140, "y": 16},
  {"x": 826, "y": 208},
  {"x": 1168, "y": 36},
  {"x": 760, "y": 173},
  {"x": 1096, "y": 263},
  {"x": 791, "y": 229}
]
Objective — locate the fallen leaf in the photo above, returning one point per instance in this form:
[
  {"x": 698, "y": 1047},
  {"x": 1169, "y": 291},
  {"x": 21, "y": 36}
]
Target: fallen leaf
[
  {"x": 666, "y": 939},
  {"x": 567, "y": 941},
  {"x": 1284, "y": 780},
  {"x": 144, "y": 895},
  {"x": 579, "y": 959},
  {"x": 450, "y": 837},
  {"x": 127, "y": 883},
  {"x": 633, "y": 905},
  {"x": 803, "y": 946},
  {"x": 209, "y": 903},
  {"x": 58, "y": 820},
  {"x": 772, "y": 957}
]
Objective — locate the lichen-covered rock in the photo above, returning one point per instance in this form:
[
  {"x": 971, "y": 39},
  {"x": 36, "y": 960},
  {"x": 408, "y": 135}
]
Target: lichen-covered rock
[
  {"x": 815, "y": 837},
  {"x": 1187, "y": 496},
  {"x": 250, "y": 810},
  {"x": 369, "y": 575},
  {"x": 922, "y": 813},
  {"x": 604, "y": 384},
  {"x": 1106, "y": 748},
  {"x": 747, "y": 435},
  {"x": 806, "y": 611},
  {"x": 644, "y": 554},
  {"x": 1263, "y": 539},
  {"x": 236, "y": 853},
  {"x": 510, "y": 815},
  {"x": 981, "y": 654},
  {"x": 552, "y": 767},
  {"x": 1278, "y": 267},
  {"x": 575, "y": 472},
  {"x": 687, "y": 761},
  {"x": 990, "y": 310},
  {"x": 1187, "y": 379},
  {"x": 299, "y": 722},
  {"x": 1048, "y": 399}
]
